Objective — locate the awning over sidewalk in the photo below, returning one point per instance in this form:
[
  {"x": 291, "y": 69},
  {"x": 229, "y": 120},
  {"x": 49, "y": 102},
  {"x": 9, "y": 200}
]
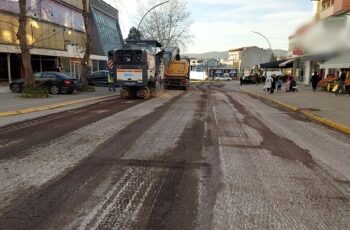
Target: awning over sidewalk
[
  {"x": 341, "y": 61},
  {"x": 271, "y": 65},
  {"x": 287, "y": 64},
  {"x": 282, "y": 64}
]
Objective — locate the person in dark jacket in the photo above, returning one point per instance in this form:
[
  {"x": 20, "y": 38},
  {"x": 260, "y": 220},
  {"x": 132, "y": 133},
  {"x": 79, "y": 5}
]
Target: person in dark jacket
[
  {"x": 314, "y": 80},
  {"x": 241, "y": 80},
  {"x": 273, "y": 84},
  {"x": 293, "y": 85}
]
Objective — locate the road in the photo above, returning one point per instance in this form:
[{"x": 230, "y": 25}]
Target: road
[{"x": 208, "y": 158}]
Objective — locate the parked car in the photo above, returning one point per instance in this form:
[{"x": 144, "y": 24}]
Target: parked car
[
  {"x": 54, "y": 82},
  {"x": 249, "y": 80},
  {"x": 98, "y": 78},
  {"x": 222, "y": 78}
]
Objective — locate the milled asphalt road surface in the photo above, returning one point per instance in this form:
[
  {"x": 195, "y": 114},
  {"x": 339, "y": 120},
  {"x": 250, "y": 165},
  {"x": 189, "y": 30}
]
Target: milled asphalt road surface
[{"x": 208, "y": 158}]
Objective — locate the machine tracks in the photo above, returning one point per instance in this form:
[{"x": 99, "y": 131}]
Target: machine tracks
[{"x": 14, "y": 139}]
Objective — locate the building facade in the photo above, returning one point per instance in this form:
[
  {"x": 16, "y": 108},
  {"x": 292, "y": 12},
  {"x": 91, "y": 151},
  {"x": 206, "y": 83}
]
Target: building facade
[
  {"x": 328, "y": 8},
  {"x": 321, "y": 40},
  {"x": 55, "y": 33},
  {"x": 245, "y": 58},
  {"x": 106, "y": 32}
]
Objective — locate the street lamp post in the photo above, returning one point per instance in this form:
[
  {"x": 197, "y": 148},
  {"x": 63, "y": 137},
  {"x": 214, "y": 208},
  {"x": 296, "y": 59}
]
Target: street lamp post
[
  {"x": 138, "y": 27},
  {"x": 267, "y": 42},
  {"x": 264, "y": 38}
]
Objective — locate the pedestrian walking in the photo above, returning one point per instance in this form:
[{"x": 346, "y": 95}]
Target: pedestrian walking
[
  {"x": 268, "y": 83},
  {"x": 241, "y": 80},
  {"x": 293, "y": 85},
  {"x": 341, "y": 85},
  {"x": 279, "y": 84},
  {"x": 273, "y": 84},
  {"x": 315, "y": 79},
  {"x": 111, "y": 82}
]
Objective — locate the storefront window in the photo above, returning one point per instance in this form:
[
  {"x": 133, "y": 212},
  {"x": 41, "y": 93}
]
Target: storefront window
[
  {"x": 66, "y": 65},
  {"x": 103, "y": 65},
  {"x": 3, "y": 69},
  {"x": 36, "y": 65},
  {"x": 95, "y": 66},
  {"x": 48, "y": 65}
]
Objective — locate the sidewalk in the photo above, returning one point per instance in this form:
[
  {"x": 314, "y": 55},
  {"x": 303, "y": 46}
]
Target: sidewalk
[
  {"x": 11, "y": 102},
  {"x": 322, "y": 104}
]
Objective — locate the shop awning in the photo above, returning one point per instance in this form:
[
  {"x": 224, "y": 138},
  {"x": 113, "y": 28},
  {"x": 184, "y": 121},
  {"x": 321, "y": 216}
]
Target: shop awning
[
  {"x": 341, "y": 61},
  {"x": 287, "y": 63},
  {"x": 271, "y": 65}
]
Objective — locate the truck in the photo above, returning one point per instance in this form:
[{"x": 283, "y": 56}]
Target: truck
[
  {"x": 138, "y": 69},
  {"x": 177, "y": 70}
]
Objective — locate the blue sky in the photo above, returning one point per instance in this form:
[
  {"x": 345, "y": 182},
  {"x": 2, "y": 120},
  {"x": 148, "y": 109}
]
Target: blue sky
[{"x": 226, "y": 24}]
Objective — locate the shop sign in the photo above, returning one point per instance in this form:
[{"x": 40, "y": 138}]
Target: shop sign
[{"x": 298, "y": 52}]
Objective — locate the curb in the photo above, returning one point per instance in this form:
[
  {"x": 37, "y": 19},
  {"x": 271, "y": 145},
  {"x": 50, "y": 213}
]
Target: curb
[
  {"x": 50, "y": 107},
  {"x": 329, "y": 123}
]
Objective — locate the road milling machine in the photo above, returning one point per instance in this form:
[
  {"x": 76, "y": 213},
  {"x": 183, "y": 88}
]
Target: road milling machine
[{"x": 138, "y": 68}]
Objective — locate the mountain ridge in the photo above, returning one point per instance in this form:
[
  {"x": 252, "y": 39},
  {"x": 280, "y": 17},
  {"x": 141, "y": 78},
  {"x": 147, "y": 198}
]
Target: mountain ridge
[{"x": 224, "y": 54}]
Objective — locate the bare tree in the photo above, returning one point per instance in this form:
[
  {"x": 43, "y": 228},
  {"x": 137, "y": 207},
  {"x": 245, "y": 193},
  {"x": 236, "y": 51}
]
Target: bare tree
[
  {"x": 29, "y": 81},
  {"x": 169, "y": 24},
  {"x": 86, "y": 59}
]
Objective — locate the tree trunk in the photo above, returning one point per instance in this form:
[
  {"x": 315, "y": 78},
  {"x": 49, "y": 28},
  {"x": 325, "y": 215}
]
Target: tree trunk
[
  {"x": 29, "y": 81},
  {"x": 86, "y": 59}
]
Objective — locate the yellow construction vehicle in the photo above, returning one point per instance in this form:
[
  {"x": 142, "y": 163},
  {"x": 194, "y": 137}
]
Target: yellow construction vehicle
[{"x": 177, "y": 70}]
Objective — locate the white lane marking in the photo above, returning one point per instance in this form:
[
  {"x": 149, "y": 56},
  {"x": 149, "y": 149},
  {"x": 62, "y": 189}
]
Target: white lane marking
[{"x": 216, "y": 119}]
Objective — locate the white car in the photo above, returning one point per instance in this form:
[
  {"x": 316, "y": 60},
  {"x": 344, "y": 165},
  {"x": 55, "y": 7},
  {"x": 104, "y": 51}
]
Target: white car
[{"x": 222, "y": 78}]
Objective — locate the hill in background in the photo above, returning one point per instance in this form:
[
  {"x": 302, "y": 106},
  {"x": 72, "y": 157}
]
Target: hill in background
[
  {"x": 224, "y": 54},
  {"x": 214, "y": 54}
]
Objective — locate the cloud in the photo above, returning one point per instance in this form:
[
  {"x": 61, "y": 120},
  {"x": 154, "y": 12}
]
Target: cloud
[
  {"x": 226, "y": 24},
  {"x": 128, "y": 13}
]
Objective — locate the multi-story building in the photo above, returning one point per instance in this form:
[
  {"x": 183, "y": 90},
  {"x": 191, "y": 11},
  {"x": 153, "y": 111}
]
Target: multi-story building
[
  {"x": 106, "y": 32},
  {"x": 328, "y": 8},
  {"x": 56, "y": 35},
  {"x": 320, "y": 40},
  {"x": 245, "y": 58},
  {"x": 296, "y": 48}
]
